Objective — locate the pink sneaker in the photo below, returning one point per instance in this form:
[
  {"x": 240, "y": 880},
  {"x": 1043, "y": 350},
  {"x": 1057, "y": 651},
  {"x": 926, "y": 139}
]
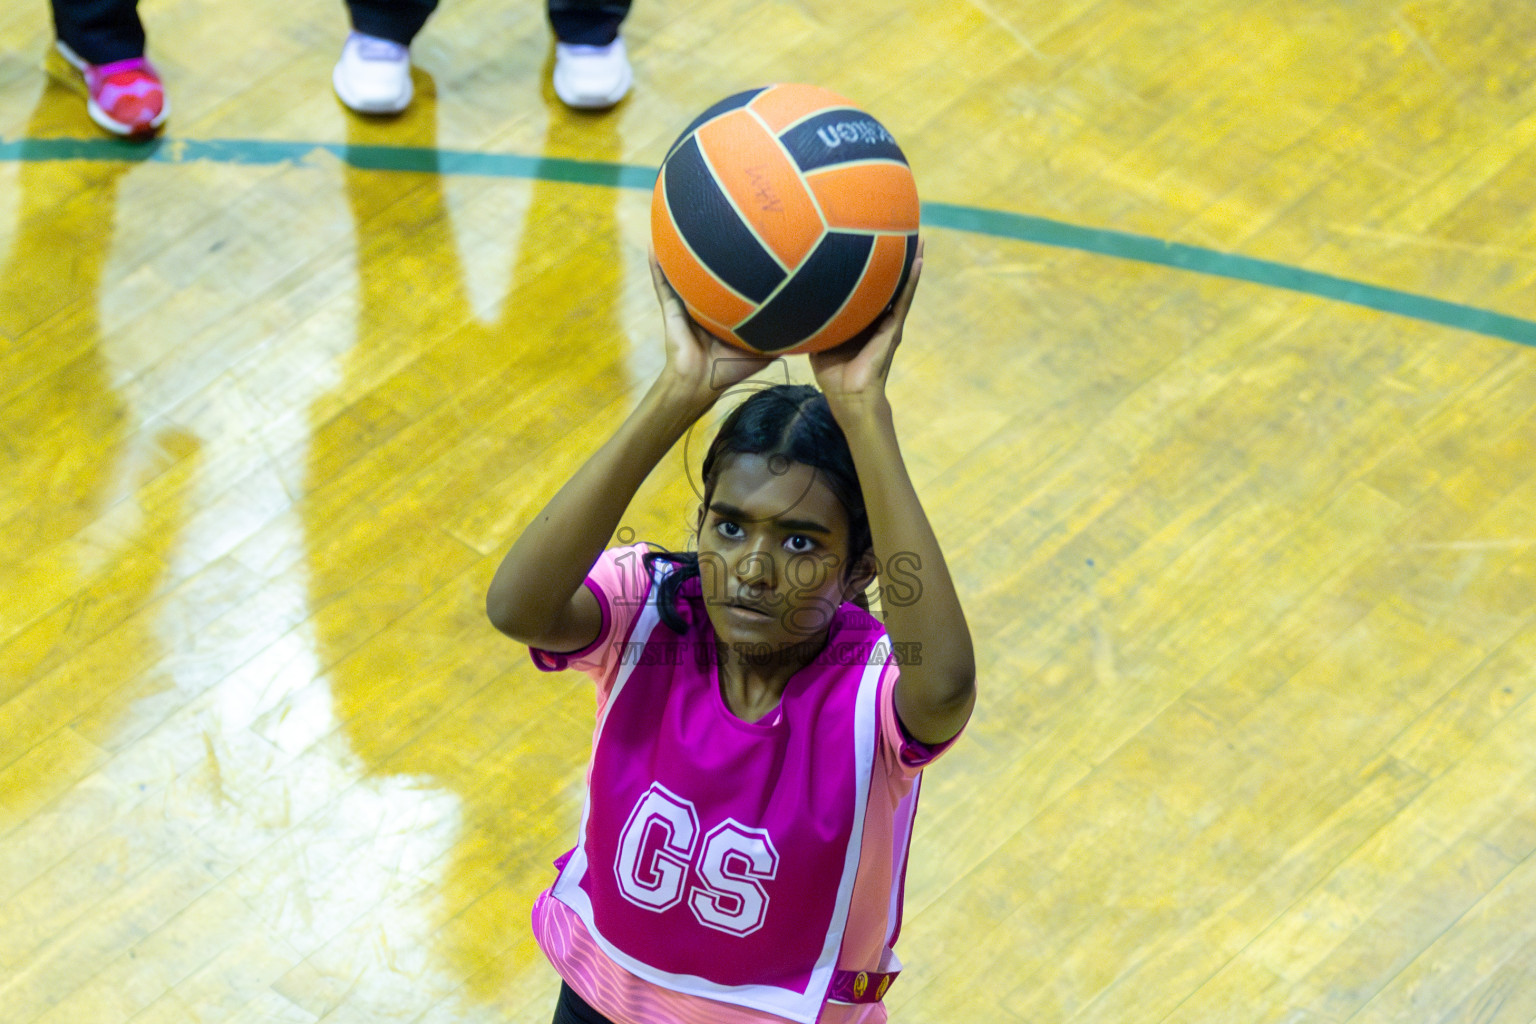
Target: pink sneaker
[{"x": 126, "y": 97}]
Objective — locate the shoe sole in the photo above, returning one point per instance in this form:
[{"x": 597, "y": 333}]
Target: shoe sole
[
  {"x": 101, "y": 117},
  {"x": 358, "y": 106}
]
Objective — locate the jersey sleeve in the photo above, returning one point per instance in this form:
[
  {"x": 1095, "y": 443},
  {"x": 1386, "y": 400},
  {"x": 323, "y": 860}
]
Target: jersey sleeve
[
  {"x": 905, "y": 755},
  {"x": 621, "y": 583}
]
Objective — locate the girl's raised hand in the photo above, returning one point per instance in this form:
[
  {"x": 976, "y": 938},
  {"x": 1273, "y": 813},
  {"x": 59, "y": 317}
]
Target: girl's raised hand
[
  {"x": 696, "y": 358},
  {"x": 858, "y": 368}
]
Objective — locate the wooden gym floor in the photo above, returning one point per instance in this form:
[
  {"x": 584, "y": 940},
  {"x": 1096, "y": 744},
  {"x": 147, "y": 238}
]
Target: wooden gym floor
[{"x": 1220, "y": 390}]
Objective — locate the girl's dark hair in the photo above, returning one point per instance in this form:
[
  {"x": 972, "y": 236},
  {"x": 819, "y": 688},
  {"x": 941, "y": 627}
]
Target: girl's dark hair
[{"x": 786, "y": 421}]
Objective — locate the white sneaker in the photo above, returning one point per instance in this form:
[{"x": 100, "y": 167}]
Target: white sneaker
[
  {"x": 592, "y": 77},
  {"x": 373, "y": 75}
]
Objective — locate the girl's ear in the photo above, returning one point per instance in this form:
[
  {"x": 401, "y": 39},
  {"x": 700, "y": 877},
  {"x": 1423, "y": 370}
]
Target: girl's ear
[{"x": 860, "y": 575}]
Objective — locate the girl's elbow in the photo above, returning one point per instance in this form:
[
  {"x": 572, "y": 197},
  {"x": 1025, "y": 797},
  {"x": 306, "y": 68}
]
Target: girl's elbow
[
  {"x": 954, "y": 698},
  {"x": 961, "y": 696},
  {"x": 503, "y": 615},
  {"x": 960, "y": 679}
]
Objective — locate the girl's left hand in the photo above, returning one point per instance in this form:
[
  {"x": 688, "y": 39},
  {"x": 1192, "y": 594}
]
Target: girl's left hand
[
  {"x": 862, "y": 369},
  {"x": 702, "y": 362}
]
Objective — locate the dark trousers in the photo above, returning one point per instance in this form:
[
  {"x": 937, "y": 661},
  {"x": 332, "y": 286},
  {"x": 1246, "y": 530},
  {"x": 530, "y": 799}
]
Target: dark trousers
[
  {"x": 592, "y": 22},
  {"x": 103, "y": 31},
  {"x": 100, "y": 31},
  {"x": 572, "y": 1009}
]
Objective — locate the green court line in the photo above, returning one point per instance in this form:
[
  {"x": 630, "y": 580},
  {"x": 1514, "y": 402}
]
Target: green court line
[{"x": 994, "y": 223}]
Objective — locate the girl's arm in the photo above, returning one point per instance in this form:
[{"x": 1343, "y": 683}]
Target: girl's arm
[
  {"x": 537, "y": 596},
  {"x": 937, "y": 685}
]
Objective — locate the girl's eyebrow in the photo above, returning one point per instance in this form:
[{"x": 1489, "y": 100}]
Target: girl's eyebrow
[{"x": 720, "y": 508}]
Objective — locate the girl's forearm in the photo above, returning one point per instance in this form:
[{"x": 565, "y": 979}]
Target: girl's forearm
[
  {"x": 931, "y": 625},
  {"x": 552, "y": 556}
]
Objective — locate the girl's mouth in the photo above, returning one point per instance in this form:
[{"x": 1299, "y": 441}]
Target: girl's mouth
[{"x": 749, "y": 612}]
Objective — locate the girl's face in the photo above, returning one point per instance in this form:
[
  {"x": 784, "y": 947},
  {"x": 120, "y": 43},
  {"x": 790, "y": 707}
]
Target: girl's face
[{"x": 773, "y": 544}]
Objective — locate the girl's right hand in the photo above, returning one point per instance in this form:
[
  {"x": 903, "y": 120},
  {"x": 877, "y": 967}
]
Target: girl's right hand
[{"x": 701, "y": 362}]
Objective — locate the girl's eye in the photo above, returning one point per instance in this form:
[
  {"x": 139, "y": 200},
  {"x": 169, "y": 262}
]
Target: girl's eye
[
  {"x": 800, "y": 544},
  {"x": 726, "y": 528}
]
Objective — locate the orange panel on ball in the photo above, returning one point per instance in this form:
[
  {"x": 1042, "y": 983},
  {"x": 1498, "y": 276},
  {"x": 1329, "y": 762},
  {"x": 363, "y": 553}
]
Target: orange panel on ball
[
  {"x": 753, "y": 169},
  {"x": 782, "y": 105},
  {"x": 705, "y": 292},
  {"x": 720, "y": 331},
  {"x": 867, "y": 197},
  {"x": 874, "y": 292}
]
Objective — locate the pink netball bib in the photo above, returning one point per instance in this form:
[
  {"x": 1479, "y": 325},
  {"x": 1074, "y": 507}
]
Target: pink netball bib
[{"x": 717, "y": 856}]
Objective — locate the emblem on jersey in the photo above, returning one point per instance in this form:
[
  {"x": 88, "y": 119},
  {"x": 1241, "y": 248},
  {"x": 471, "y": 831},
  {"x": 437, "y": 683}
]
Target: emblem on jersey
[{"x": 663, "y": 862}]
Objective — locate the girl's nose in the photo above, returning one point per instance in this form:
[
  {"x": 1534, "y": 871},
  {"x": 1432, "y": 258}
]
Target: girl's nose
[{"x": 755, "y": 568}]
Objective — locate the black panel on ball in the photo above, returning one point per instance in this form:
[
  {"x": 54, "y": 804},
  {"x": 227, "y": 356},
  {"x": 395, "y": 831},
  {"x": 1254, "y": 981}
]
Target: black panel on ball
[
  {"x": 901, "y": 282},
  {"x": 739, "y": 99},
  {"x": 840, "y": 136},
  {"x": 813, "y": 296},
  {"x": 713, "y": 229}
]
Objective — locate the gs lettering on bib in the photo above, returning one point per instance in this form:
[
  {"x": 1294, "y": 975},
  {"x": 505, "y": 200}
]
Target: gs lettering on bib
[
  {"x": 716, "y": 856},
  {"x": 659, "y": 846}
]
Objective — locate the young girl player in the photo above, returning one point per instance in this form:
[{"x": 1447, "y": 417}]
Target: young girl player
[{"x": 759, "y": 735}]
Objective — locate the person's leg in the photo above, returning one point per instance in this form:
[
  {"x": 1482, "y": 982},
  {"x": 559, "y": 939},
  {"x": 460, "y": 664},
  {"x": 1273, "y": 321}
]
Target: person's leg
[
  {"x": 373, "y": 75},
  {"x": 104, "y": 41},
  {"x": 100, "y": 31},
  {"x": 572, "y": 1009},
  {"x": 587, "y": 22},
  {"x": 395, "y": 20},
  {"x": 592, "y": 69}
]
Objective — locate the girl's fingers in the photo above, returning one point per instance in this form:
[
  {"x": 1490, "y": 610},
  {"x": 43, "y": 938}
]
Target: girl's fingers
[
  {"x": 897, "y": 318},
  {"x": 670, "y": 300},
  {"x": 658, "y": 278},
  {"x": 909, "y": 289}
]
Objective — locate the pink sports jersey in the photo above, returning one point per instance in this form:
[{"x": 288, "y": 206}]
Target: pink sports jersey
[{"x": 731, "y": 871}]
